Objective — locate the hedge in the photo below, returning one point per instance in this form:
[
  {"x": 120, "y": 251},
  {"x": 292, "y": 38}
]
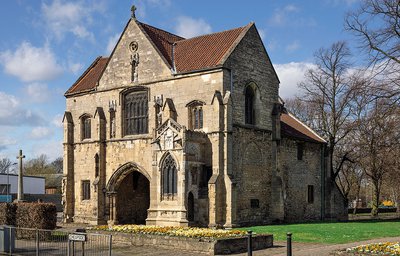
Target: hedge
[
  {"x": 8, "y": 214},
  {"x": 29, "y": 215}
]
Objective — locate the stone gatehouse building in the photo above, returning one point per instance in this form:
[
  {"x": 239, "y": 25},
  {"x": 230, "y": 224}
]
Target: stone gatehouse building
[{"x": 174, "y": 131}]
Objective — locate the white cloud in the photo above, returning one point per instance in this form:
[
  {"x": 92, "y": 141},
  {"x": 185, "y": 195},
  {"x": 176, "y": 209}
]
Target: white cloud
[
  {"x": 38, "y": 92},
  {"x": 12, "y": 113},
  {"x": 280, "y": 15},
  {"x": 290, "y": 75},
  {"x": 30, "y": 63},
  {"x": 53, "y": 149},
  {"x": 112, "y": 41},
  {"x": 289, "y": 16},
  {"x": 70, "y": 17},
  {"x": 262, "y": 33},
  {"x": 75, "y": 68},
  {"x": 293, "y": 46},
  {"x": 160, "y": 2},
  {"x": 57, "y": 120},
  {"x": 40, "y": 132},
  {"x": 189, "y": 27},
  {"x": 340, "y": 2},
  {"x": 5, "y": 142}
]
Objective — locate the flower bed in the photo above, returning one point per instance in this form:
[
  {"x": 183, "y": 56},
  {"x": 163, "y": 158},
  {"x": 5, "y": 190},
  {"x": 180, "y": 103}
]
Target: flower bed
[
  {"x": 202, "y": 240},
  {"x": 174, "y": 231},
  {"x": 376, "y": 249}
]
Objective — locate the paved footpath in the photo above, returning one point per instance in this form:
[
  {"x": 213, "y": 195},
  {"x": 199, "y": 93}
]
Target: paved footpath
[{"x": 279, "y": 249}]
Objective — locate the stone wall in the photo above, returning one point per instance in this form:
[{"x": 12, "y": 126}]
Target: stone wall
[
  {"x": 249, "y": 63},
  {"x": 297, "y": 176},
  {"x": 252, "y": 174},
  {"x": 200, "y": 245}
]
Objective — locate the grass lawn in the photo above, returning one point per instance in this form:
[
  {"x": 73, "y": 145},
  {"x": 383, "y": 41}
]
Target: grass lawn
[{"x": 332, "y": 232}]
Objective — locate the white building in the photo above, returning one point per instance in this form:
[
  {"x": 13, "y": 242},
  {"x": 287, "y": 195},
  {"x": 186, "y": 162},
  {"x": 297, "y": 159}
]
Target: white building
[{"x": 32, "y": 184}]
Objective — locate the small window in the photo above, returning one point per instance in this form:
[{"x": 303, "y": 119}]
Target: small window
[
  {"x": 310, "y": 194},
  {"x": 254, "y": 203},
  {"x": 300, "y": 151},
  {"x": 249, "y": 106},
  {"x": 195, "y": 115},
  {"x": 86, "y": 127},
  {"x": 4, "y": 189},
  {"x": 85, "y": 190}
]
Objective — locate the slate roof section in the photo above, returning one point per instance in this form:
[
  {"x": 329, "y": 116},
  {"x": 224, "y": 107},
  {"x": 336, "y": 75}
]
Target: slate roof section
[
  {"x": 294, "y": 128},
  {"x": 88, "y": 80}
]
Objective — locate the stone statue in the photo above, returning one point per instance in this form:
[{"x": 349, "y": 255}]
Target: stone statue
[{"x": 134, "y": 64}]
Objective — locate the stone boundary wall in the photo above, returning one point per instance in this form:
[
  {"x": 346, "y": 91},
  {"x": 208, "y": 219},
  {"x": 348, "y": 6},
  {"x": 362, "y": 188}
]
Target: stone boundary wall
[{"x": 201, "y": 245}]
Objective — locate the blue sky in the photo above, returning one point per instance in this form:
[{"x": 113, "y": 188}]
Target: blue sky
[{"x": 45, "y": 46}]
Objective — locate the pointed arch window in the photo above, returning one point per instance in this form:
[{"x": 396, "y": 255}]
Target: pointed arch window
[
  {"x": 169, "y": 176},
  {"x": 195, "y": 114},
  {"x": 249, "y": 105},
  {"x": 86, "y": 127},
  {"x": 136, "y": 113}
]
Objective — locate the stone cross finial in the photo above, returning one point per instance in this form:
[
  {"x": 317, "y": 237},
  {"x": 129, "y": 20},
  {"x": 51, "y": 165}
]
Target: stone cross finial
[
  {"x": 20, "y": 178},
  {"x": 133, "y": 10}
]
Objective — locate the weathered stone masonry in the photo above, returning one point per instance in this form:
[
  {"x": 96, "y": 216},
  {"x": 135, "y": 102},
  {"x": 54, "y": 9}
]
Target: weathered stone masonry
[{"x": 189, "y": 132}]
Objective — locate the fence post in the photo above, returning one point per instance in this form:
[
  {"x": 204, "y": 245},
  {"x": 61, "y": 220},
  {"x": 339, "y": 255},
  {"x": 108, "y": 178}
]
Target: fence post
[
  {"x": 289, "y": 243},
  {"x": 37, "y": 242},
  {"x": 249, "y": 243},
  {"x": 110, "y": 246},
  {"x": 10, "y": 240}
]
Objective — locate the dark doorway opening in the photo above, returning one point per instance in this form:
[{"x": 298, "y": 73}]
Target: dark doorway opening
[{"x": 133, "y": 199}]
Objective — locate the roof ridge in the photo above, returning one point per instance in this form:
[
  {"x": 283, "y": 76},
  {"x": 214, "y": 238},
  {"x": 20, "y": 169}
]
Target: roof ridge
[
  {"x": 172, "y": 34},
  {"x": 87, "y": 71},
  {"x": 306, "y": 126},
  {"x": 211, "y": 34}
]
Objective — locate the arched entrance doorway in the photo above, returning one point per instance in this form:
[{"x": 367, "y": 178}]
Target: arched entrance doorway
[{"x": 129, "y": 195}]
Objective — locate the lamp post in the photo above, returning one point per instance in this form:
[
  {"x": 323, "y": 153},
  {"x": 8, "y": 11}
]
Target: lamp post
[{"x": 8, "y": 180}]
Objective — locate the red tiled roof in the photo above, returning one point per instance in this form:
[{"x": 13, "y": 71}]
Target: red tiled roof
[
  {"x": 204, "y": 51},
  {"x": 90, "y": 77},
  {"x": 163, "y": 40},
  {"x": 192, "y": 54},
  {"x": 292, "y": 127},
  {"x": 196, "y": 53}
]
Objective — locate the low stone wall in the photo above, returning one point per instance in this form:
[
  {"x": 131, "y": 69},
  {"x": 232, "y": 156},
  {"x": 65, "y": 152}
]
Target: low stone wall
[{"x": 201, "y": 245}]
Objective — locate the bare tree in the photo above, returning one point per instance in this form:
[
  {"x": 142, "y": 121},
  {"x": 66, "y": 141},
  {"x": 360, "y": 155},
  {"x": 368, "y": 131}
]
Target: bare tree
[
  {"x": 7, "y": 166},
  {"x": 327, "y": 90},
  {"x": 57, "y": 164},
  {"x": 376, "y": 24},
  {"x": 377, "y": 137},
  {"x": 39, "y": 166}
]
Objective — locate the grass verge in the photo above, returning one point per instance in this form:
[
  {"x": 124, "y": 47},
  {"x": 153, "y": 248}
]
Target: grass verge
[{"x": 333, "y": 232}]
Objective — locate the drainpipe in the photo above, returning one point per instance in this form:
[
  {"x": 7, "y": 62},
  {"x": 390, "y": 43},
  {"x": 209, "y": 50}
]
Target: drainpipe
[
  {"x": 322, "y": 181},
  {"x": 173, "y": 58}
]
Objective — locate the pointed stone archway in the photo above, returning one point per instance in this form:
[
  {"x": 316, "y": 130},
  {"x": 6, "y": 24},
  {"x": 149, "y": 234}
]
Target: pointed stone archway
[{"x": 128, "y": 193}]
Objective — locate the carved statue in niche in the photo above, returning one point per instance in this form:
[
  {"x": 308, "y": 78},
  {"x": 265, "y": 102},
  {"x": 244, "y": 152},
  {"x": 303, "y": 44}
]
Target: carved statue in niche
[
  {"x": 158, "y": 106},
  {"x": 133, "y": 47},
  {"x": 169, "y": 140}
]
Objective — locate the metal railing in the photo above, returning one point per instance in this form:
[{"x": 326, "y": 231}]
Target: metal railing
[{"x": 27, "y": 241}]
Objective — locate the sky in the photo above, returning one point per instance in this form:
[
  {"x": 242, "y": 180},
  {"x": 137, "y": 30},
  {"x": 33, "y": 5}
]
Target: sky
[{"x": 46, "y": 45}]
